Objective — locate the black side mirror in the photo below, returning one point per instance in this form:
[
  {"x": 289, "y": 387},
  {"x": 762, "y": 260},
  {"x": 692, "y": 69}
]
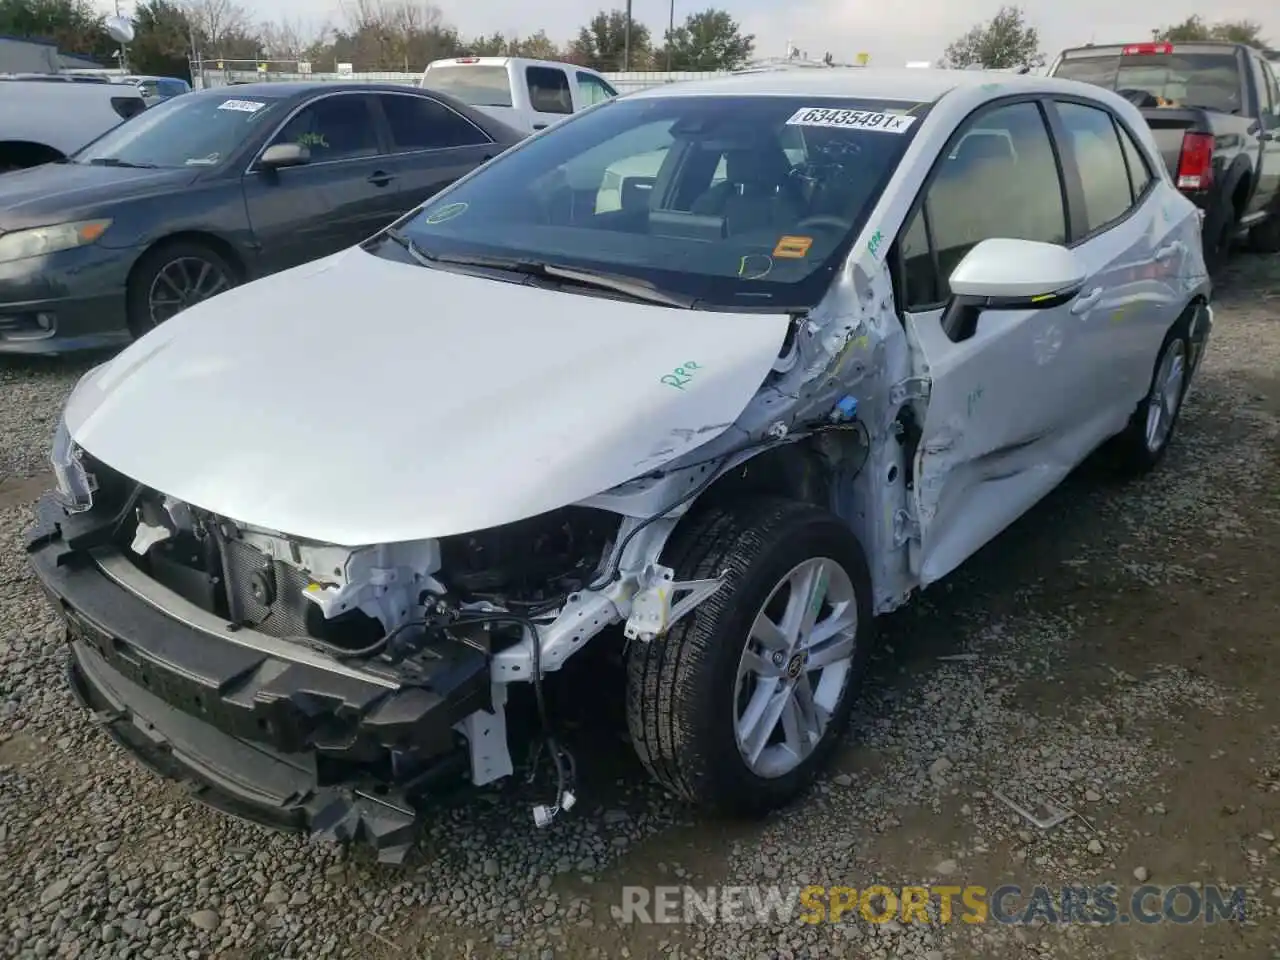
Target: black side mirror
[{"x": 281, "y": 155}]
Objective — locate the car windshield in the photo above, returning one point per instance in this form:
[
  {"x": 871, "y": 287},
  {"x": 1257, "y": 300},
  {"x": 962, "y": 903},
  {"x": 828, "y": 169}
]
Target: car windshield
[
  {"x": 732, "y": 202},
  {"x": 1207, "y": 80},
  {"x": 200, "y": 130},
  {"x": 479, "y": 85}
]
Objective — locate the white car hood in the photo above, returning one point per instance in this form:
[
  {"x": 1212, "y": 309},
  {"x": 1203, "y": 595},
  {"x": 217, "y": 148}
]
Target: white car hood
[{"x": 357, "y": 400}]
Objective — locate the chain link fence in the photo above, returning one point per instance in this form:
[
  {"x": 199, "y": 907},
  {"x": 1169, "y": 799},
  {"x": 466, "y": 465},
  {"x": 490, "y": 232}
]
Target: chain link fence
[{"x": 222, "y": 73}]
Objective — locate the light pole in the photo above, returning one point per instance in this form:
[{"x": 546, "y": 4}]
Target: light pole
[
  {"x": 626, "y": 41},
  {"x": 123, "y": 64},
  {"x": 671, "y": 29}
]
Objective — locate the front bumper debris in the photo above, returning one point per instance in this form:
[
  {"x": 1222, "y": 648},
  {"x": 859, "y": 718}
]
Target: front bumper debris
[{"x": 341, "y": 754}]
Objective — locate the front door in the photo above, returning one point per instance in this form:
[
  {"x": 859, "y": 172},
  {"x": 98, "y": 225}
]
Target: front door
[
  {"x": 1267, "y": 196},
  {"x": 431, "y": 146},
  {"x": 344, "y": 194},
  {"x": 1002, "y": 400}
]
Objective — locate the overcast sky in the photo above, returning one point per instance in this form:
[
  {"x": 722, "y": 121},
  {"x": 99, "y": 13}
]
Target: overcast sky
[{"x": 891, "y": 31}]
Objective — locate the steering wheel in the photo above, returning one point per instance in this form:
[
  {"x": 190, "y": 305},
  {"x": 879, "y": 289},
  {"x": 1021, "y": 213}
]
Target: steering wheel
[{"x": 824, "y": 220}]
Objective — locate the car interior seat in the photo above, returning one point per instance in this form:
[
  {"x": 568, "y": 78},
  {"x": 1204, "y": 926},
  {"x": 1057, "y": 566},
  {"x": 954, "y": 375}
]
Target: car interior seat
[{"x": 757, "y": 191}]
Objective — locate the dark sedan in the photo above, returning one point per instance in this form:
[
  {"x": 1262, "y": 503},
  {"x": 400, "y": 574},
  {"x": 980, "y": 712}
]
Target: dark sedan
[{"x": 214, "y": 188}]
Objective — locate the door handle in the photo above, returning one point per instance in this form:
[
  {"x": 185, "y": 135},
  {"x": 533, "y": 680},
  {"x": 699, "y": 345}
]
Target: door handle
[
  {"x": 380, "y": 179},
  {"x": 539, "y": 126},
  {"x": 1085, "y": 303},
  {"x": 1168, "y": 250}
]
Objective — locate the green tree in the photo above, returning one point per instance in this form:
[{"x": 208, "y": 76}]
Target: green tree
[
  {"x": 1194, "y": 28},
  {"x": 710, "y": 40},
  {"x": 74, "y": 25},
  {"x": 1005, "y": 41},
  {"x": 538, "y": 46},
  {"x": 162, "y": 42},
  {"x": 602, "y": 43}
]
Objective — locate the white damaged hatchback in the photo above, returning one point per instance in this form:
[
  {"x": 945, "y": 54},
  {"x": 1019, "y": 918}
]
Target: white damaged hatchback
[{"x": 712, "y": 374}]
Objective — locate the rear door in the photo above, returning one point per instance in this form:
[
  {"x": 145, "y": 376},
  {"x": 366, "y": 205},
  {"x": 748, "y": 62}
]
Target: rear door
[
  {"x": 1007, "y": 405},
  {"x": 592, "y": 89},
  {"x": 550, "y": 95},
  {"x": 1132, "y": 248},
  {"x": 431, "y": 146},
  {"x": 344, "y": 194}
]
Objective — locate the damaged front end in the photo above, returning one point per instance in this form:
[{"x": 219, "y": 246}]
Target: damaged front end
[{"x": 321, "y": 688}]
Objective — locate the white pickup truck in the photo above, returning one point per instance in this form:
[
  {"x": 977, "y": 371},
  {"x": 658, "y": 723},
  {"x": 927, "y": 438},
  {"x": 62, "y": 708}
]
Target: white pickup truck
[
  {"x": 529, "y": 95},
  {"x": 48, "y": 118}
]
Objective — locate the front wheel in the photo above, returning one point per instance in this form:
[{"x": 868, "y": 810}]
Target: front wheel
[
  {"x": 741, "y": 703},
  {"x": 172, "y": 277}
]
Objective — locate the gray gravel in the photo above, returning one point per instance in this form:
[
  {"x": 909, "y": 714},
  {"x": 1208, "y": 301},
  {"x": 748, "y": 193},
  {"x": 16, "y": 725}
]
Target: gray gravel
[{"x": 99, "y": 859}]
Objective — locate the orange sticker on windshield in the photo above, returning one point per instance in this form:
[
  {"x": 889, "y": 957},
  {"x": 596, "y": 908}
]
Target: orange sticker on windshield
[{"x": 793, "y": 247}]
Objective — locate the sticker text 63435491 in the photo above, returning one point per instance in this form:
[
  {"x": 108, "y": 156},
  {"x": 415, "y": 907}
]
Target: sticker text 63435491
[
  {"x": 851, "y": 119},
  {"x": 243, "y": 106}
]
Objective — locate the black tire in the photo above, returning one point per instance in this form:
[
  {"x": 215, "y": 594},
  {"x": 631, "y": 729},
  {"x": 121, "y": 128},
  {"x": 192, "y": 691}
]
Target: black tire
[
  {"x": 1265, "y": 237},
  {"x": 1132, "y": 453},
  {"x": 681, "y": 687},
  {"x": 1217, "y": 235},
  {"x": 146, "y": 274}
]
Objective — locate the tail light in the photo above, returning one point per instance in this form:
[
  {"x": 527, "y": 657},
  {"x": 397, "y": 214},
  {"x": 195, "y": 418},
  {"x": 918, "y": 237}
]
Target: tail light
[
  {"x": 467, "y": 60},
  {"x": 1195, "y": 164},
  {"x": 1139, "y": 49},
  {"x": 128, "y": 106}
]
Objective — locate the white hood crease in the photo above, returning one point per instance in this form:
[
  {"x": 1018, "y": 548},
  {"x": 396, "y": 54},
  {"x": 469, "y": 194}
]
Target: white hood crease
[{"x": 357, "y": 400}]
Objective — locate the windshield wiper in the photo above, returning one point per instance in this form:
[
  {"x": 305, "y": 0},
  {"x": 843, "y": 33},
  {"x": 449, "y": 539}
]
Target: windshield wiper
[
  {"x": 117, "y": 162},
  {"x": 627, "y": 286}
]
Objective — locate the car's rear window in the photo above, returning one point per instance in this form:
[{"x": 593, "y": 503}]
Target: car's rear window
[
  {"x": 480, "y": 85},
  {"x": 733, "y": 201},
  {"x": 1207, "y": 80}
]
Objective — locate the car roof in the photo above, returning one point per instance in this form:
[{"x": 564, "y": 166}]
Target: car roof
[
  {"x": 295, "y": 88},
  {"x": 869, "y": 83}
]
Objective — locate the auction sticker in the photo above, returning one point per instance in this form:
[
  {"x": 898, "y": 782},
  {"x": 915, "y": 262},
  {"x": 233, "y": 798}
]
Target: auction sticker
[
  {"x": 244, "y": 106},
  {"x": 851, "y": 119}
]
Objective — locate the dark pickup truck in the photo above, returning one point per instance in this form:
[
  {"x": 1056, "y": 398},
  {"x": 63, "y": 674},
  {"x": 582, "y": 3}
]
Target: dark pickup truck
[{"x": 1215, "y": 111}]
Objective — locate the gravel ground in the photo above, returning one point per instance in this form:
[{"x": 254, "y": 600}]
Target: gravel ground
[{"x": 1111, "y": 651}]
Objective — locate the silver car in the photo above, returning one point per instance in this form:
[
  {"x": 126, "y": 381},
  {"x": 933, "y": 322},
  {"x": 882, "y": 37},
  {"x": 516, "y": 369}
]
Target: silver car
[{"x": 713, "y": 374}]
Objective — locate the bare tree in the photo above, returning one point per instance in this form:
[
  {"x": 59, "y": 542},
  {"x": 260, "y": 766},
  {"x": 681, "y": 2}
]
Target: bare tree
[
  {"x": 218, "y": 20},
  {"x": 288, "y": 39},
  {"x": 397, "y": 34}
]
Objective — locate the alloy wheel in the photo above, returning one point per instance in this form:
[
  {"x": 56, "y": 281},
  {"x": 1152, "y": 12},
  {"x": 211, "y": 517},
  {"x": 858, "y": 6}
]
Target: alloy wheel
[
  {"x": 795, "y": 667},
  {"x": 1166, "y": 394},
  {"x": 181, "y": 283}
]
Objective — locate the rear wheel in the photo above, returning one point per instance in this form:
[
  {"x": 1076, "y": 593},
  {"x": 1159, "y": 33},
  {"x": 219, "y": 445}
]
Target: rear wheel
[
  {"x": 1218, "y": 233},
  {"x": 1141, "y": 447},
  {"x": 1265, "y": 237},
  {"x": 171, "y": 278},
  {"x": 741, "y": 703}
]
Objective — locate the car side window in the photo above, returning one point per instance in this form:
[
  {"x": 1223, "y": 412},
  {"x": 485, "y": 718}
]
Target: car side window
[
  {"x": 1273, "y": 81},
  {"x": 420, "y": 123},
  {"x": 339, "y": 127},
  {"x": 1140, "y": 175},
  {"x": 999, "y": 179},
  {"x": 1093, "y": 141},
  {"x": 1261, "y": 80},
  {"x": 591, "y": 89},
  {"x": 549, "y": 90}
]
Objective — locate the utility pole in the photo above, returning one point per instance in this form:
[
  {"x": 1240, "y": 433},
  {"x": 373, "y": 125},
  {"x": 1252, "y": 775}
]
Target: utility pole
[
  {"x": 626, "y": 41},
  {"x": 671, "y": 29},
  {"x": 120, "y": 55},
  {"x": 197, "y": 65}
]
